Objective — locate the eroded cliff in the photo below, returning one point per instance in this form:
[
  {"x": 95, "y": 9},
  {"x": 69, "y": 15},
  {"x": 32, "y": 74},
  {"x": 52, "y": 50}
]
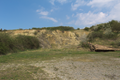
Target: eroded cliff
[{"x": 54, "y": 39}]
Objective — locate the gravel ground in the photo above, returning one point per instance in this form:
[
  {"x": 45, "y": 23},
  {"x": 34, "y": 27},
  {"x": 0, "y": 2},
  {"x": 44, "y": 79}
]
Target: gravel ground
[
  {"x": 95, "y": 67},
  {"x": 86, "y": 67}
]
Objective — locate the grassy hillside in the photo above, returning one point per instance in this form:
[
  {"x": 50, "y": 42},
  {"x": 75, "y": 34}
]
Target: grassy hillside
[{"x": 107, "y": 34}]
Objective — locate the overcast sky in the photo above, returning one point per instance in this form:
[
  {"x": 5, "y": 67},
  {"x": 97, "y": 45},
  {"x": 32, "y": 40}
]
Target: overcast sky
[{"x": 25, "y": 14}]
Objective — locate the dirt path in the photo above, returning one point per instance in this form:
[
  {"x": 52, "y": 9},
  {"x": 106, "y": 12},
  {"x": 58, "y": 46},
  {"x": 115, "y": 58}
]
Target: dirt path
[{"x": 85, "y": 67}]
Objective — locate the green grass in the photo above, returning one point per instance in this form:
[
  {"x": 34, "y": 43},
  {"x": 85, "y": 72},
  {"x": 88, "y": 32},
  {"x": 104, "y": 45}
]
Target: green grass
[
  {"x": 47, "y": 54},
  {"x": 29, "y": 72}
]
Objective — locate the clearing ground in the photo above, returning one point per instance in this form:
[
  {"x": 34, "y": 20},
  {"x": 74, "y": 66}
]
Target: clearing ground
[{"x": 60, "y": 64}]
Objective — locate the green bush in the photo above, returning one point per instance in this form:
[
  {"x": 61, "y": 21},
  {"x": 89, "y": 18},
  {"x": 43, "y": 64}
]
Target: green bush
[
  {"x": 115, "y": 25},
  {"x": 27, "y": 42},
  {"x": 115, "y": 44},
  {"x": 78, "y": 28},
  {"x": 4, "y": 30},
  {"x": 35, "y": 33},
  {"x": 93, "y": 35},
  {"x": 36, "y": 28},
  {"x": 112, "y": 36},
  {"x": 21, "y": 42},
  {"x": 5, "y": 43},
  {"x": 108, "y": 34},
  {"x": 86, "y": 29},
  {"x": 1, "y": 29}
]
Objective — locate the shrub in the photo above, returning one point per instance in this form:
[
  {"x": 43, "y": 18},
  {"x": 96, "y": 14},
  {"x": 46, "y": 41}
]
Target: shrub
[
  {"x": 34, "y": 28},
  {"x": 78, "y": 28},
  {"x": 99, "y": 34},
  {"x": 115, "y": 44},
  {"x": 35, "y": 33},
  {"x": 115, "y": 25},
  {"x": 93, "y": 35},
  {"x": 108, "y": 31},
  {"x": 111, "y": 35},
  {"x": 96, "y": 28},
  {"x": 86, "y": 29},
  {"x": 108, "y": 34},
  {"x": 92, "y": 28},
  {"x": 21, "y": 42},
  {"x": 5, "y": 43},
  {"x": 3, "y": 49},
  {"x": 1, "y": 29},
  {"x": 37, "y": 28},
  {"x": 4, "y": 30},
  {"x": 27, "y": 42}
]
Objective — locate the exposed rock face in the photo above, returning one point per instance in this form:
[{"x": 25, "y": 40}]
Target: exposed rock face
[
  {"x": 56, "y": 39},
  {"x": 60, "y": 39}
]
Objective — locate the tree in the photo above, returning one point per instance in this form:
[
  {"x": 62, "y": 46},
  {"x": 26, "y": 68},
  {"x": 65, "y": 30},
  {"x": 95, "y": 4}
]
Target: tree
[
  {"x": 86, "y": 29},
  {"x": 78, "y": 28},
  {"x": 1, "y": 29}
]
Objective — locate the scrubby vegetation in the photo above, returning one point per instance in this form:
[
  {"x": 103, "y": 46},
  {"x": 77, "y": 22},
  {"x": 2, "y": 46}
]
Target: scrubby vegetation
[
  {"x": 108, "y": 30},
  {"x": 113, "y": 25},
  {"x": 115, "y": 44},
  {"x": 62, "y": 28},
  {"x": 35, "y": 33},
  {"x": 78, "y": 28},
  {"x": 94, "y": 35},
  {"x": 104, "y": 31},
  {"x": 86, "y": 28},
  {"x": 9, "y": 44}
]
